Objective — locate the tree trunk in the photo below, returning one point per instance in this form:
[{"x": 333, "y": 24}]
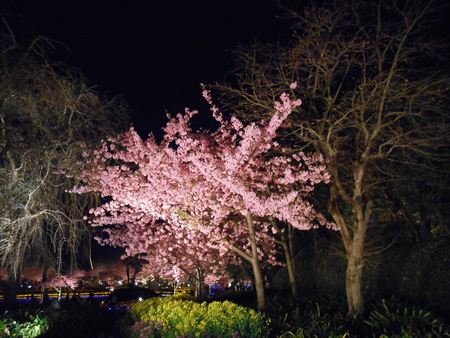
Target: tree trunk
[
  {"x": 353, "y": 237},
  {"x": 197, "y": 289},
  {"x": 353, "y": 281},
  {"x": 256, "y": 266},
  {"x": 43, "y": 282},
  {"x": 11, "y": 288},
  {"x": 355, "y": 259},
  {"x": 200, "y": 290},
  {"x": 259, "y": 285},
  {"x": 86, "y": 252},
  {"x": 288, "y": 248},
  {"x": 133, "y": 278},
  {"x": 128, "y": 275},
  {"x": 291, "y": 270}
]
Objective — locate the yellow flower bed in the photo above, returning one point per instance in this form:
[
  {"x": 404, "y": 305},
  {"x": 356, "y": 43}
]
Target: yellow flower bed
[{"x": 167, "y": 317}]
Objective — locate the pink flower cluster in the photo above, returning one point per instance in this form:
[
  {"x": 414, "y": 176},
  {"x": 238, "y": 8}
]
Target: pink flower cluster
[{"x": 183, "y": 201}]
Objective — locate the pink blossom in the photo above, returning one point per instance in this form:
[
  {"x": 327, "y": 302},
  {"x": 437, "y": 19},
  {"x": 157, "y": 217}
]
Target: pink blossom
[{"x": 186, "y": 206}]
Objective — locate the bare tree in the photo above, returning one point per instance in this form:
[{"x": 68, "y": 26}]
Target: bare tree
[
  {"x": 46, "y": 112},
  {"x": 375, "y": 99}
]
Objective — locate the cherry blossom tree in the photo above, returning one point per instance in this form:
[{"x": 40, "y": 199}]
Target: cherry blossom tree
[
  {"x": 226, "y": 184},
  {"x": 60, "y": 282}
]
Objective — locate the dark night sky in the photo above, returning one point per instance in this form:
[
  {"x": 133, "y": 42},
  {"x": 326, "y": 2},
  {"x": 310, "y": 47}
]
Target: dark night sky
[{"x": 155, "y": 55}]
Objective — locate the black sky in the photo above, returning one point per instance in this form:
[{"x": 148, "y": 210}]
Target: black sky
[{"x": 155, "y": 55}]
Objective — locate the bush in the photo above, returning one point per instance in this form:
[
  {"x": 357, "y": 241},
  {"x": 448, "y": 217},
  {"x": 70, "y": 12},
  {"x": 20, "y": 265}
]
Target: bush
[
  {"x": 34, "y": 326},
  {"x": 404, "y": 321},
  {"x": 317, "y": 323},
  {"x": 309, "y": 317},
  {"x": 327, "y": 317},
  {"x": 169, "y": 317}
]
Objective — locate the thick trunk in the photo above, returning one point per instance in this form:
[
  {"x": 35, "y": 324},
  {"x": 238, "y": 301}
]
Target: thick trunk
[
  {"x": 259, "y": 285},
  {"x": 203, "y": 290},
  {"x": 353, "y": 283},
  {"x": 86, "y": 253},
  {"x": 355, "y": 252},
  {"x": 355, "y": 260},
  {"x": 353, "y": 237},
  {"x": 200, "y": 289},
  {"x": 43, "y": 283}
]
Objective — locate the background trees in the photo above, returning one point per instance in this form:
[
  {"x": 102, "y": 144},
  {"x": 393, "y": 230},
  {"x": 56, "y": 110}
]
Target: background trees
[
  {"x": 46, "y": 111},
  {"x": 375, "y": 104}
]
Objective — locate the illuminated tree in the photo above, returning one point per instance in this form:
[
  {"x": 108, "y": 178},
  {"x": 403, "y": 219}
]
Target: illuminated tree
[
  {"x": 223, "y": 184},
  {"x": 376, "y": 104},
  {"x": 60, "y": 282},
  {"x": 46, "y": 111}
]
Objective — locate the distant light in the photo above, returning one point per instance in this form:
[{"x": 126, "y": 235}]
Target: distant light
[
  {"x": 120, "y": 282},
  {"x": 112, "y": 288},
  {"x": 29, "y": 286},
  {"x": 140, "y": 299},
  {"x": 135, "y": 283}
]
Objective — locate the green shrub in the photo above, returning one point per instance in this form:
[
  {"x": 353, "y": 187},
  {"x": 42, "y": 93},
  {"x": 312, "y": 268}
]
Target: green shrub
[
  {"x": 404, "y": 321},
  {"x": 4, "y": 329},
  {"x": 318, "y": 323},
  {"x": 169, "y": 317},
  {"x": 33, "y": 327},
  {"x": 313, "y": 321},
  {"x": 327, "y": 317},
  {"x": 307, "y": 317}
]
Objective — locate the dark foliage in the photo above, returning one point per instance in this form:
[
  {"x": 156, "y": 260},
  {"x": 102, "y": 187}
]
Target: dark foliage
[{"x": 319, "y": 316}]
